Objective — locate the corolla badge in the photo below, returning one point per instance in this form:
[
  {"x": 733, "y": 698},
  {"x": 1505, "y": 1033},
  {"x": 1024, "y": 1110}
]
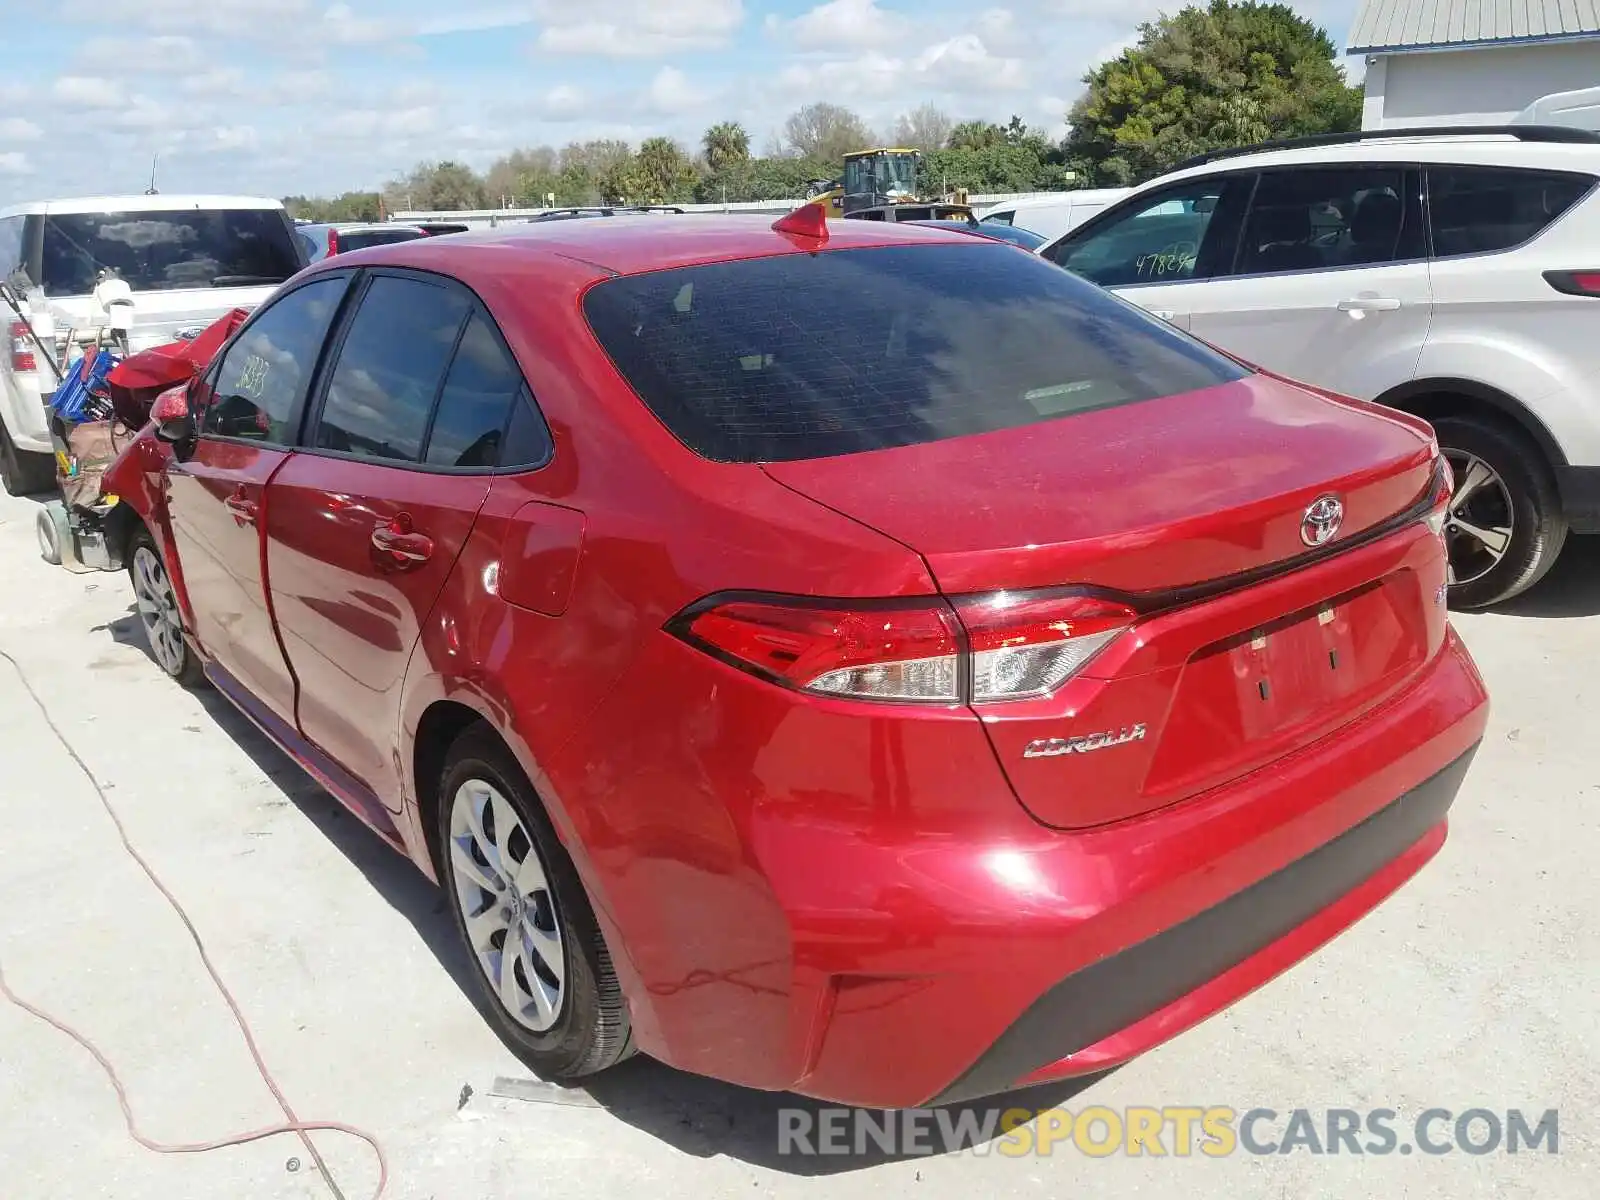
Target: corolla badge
[
  {"x": 1321, "y": 521},
  {"x": 1054, "y": 747}
]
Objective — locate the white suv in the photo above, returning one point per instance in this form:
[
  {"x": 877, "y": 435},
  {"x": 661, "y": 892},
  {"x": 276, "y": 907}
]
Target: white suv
[
  {"x": 1454, "y": 274},
  {"x": 187, "y": 259}
]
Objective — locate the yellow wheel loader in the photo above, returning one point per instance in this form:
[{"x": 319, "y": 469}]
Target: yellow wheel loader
[{"x": 883, "y": 185}]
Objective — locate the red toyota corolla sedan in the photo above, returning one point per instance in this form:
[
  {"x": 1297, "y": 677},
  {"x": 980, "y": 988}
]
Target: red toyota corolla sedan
[{"x": 863, "y": 660}]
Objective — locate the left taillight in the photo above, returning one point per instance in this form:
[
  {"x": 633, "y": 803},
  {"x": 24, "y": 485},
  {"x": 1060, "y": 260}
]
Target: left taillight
[
  {"x": 22, "y": 356},
  {"x": 870, "y": 652},
  {"x": 983, "y": 649}
]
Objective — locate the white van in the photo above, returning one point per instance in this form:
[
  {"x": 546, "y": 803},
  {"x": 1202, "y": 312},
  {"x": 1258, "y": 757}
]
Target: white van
[
  {"x": 187, "y": 260},
  {"x": 1055, "y": 213}
]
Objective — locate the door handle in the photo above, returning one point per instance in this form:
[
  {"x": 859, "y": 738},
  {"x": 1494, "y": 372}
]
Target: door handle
[
  {"x": 241, "y": 506},
  {"x": 398, "y": 537},
  {"x": 1366, "y": 304}
]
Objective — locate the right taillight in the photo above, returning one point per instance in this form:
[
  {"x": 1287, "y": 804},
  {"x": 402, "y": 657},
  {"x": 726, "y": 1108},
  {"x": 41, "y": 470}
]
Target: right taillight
[
  {"x": 22, "y": 356},
  {"x": 1574, "y": 283},
  {"x": 1027, "y": 644},
  {"x": 984, "y": 649},
  {"x": 333, "y": 241}
]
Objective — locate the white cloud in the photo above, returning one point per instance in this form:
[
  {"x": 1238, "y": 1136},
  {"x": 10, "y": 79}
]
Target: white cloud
[
  {"x": 638, "y": 28},
  {"x": 841, "y": 25},
  {"x": 264, "y": 20},
  {"x": 562, "y": 102},
  {"x": 235, "y": 137},
  {"x": 87, "y": 92},
  {"x": 963, "y": 64},
  {"x": 15, "y": 162},
  {"x": 670, "y": 92},
  {"x": 19, "y": 129},
  {"x": 156, "y": 55},
  {"x": 870, "y": 76}
]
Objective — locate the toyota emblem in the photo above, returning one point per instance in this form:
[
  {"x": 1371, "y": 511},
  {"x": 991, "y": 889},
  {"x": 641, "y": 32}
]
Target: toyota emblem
[{"x": 1321, "y": 522}]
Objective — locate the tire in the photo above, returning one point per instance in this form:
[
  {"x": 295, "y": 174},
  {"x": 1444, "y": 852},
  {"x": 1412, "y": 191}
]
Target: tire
[
  {"x": 159, "y": 615},
  {"x": 585, "y": 1028},
  {"x": 1502, "y": 482},
  {"x": 55, "y": 535},
  {"x": 25, "y": 473}
]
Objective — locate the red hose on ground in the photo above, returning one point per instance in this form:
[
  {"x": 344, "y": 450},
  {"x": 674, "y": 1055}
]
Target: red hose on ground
[{"x": 291, "y": 1123}]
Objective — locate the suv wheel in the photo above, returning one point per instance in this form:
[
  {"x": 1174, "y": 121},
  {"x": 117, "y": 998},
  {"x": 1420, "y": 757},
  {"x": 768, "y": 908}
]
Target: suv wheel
[
  {"x": 25, "y": 473},
  {"x": 542, "y": 965},
  {"x": 1505, "y": 526}
]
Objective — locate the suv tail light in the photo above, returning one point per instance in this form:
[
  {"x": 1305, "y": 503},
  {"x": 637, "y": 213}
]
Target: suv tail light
[
  {"x": 333, "y": 241},
  {"x": 22, "y": 356},
  {"x": 997, "y": 647},
  {"x": 1574, "y": 283}
]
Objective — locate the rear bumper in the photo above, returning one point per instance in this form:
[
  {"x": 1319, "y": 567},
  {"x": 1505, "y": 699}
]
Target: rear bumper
[
  {"x": 1071, "y": 1028},
  {"x": 991, "y": 966}
]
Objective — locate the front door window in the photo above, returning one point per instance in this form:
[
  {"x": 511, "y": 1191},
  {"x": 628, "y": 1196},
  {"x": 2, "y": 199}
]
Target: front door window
[{"x": 1176, "y": 234}]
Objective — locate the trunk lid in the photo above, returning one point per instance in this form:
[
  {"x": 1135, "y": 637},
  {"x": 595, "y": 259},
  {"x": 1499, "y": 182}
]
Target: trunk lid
[
  {"x": 1207, "y": 488},
  {"x": 1163, "y": 494}
]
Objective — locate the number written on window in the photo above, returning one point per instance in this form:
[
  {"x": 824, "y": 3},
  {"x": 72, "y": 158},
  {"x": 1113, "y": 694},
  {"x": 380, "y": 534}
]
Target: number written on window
[{"x": 259, "y": 391}]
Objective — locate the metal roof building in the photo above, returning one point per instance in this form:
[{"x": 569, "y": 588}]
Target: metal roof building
[{"x": 1449, "y": 62}]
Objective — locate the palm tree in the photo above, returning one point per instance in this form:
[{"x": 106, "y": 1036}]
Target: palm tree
[{"x": 725, "y": 143}]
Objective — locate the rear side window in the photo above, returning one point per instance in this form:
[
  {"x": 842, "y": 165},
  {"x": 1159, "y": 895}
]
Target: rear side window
[
  {"x": 167, "y": 251},
  {"x": 1001, "y": 218},
  {"x": 808, "y": 355},
  {"x": 261, "y": 384},
  {"x": 1308, "y": 219},
  {"x": 390, "y": 367},
  {"x": 476, "y": 402},
  {"x": 1476, "y": 210}
]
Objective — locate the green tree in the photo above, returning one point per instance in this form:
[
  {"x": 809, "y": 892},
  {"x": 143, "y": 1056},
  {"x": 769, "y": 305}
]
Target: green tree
[
  {"x": 975, "y": 135},
  {"x": 724, "y": 144},
  {"x": 437, "y": 187},
  {"x": 1230, "y": 73},
  {"x": 664, "y": 171}
]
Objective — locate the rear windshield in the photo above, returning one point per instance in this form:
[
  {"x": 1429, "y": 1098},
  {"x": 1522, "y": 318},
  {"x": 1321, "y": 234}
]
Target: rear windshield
[
  {"x": 812, "y": 355},
  {"x": 361, "y": 239},
  {"x": 166, "y": 251}
]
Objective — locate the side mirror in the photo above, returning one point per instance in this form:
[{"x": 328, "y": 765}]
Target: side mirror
[{"x": 173, "y": 419}]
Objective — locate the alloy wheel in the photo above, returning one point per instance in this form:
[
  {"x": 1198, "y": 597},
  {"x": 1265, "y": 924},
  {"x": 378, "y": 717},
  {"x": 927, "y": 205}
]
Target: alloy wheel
[
  {"x": 507, "y": 905},
  {"x": 158, "y": 610},
  {"x": 1479, "y": 520}
]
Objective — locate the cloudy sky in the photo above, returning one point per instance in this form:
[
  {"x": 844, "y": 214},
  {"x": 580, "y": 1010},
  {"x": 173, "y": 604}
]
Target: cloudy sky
[{"x": 299, "y": 96}]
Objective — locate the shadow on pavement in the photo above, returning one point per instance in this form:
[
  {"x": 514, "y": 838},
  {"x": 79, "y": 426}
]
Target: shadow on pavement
[
  {"x": 707, "y": 1119},
  {"x": 692, "y": 1114},
  {"x": 1572, "y": 589}
]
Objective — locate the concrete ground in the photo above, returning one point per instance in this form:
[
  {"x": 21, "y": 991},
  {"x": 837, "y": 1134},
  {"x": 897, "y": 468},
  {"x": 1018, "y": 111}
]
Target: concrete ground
[{"x": 1475, "y": 986}]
